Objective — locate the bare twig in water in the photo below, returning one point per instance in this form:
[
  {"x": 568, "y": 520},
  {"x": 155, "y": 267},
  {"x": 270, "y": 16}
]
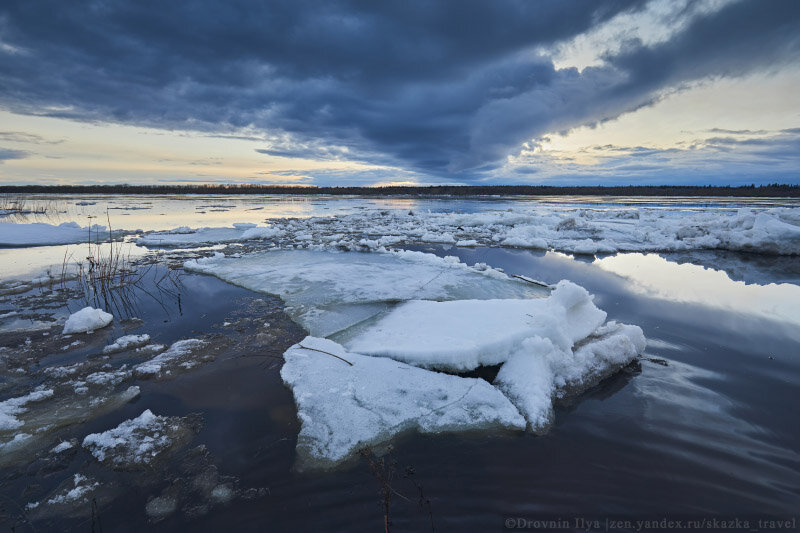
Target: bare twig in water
[
  {"x": 423, "y": 500},
  {"x": 329, "y": 353},
  {"x": 529, "y": 280},
  {"x": 384, "y": 473}
]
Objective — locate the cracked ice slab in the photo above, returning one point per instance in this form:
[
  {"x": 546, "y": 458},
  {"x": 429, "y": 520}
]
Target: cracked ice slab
[
  {"x": 184, "y": 236},
  {"x": 462, "y": 335},
  {"x": 328, "y": 291},
  {"x": 344, "y": 407},
  {"x": 549, "y": 347}
]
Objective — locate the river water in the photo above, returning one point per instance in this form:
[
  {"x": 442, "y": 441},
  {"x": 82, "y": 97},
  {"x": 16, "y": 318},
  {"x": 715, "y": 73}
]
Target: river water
[{"x": 704, "y": 425}]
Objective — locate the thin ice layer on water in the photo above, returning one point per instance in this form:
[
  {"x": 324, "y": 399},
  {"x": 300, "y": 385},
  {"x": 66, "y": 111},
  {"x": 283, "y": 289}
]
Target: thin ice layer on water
[
  {"x": 345, "y": 404},
  {"x": 327, "y": 291}
]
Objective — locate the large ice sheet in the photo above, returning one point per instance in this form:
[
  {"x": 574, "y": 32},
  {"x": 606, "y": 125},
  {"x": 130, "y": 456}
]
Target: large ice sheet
[
  {"x": 328, "y": 291},
  {"x": 344, "y": 405},
  {"x": 42, "y": 234}
]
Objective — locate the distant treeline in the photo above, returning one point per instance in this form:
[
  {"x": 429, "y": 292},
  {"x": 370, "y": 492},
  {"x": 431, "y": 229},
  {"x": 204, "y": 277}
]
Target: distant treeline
[{"x": 772, "y": 190}]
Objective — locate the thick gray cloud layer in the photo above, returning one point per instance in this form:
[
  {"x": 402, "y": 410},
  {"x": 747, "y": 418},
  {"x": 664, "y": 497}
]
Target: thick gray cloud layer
[{"x": 447, "y": 88}]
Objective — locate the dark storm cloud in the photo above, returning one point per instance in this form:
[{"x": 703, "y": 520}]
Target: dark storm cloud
[{"x": 446, "y": 88}]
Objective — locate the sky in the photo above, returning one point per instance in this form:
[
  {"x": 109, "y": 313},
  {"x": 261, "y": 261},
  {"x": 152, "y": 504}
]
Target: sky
[{"x": 344, "y": 93}]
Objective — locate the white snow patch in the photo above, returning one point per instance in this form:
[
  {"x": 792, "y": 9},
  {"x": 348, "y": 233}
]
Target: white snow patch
[
  {"x": 41, "y": 234},
  {"x": 134, "y": 442},
  {"x": 127, "y": 342},
  {"x": 64, "y": 446},
  {"x": 87, "y": 320},
  {"x": 184, "y": 236},
  {"x": 177, "y": 350}
]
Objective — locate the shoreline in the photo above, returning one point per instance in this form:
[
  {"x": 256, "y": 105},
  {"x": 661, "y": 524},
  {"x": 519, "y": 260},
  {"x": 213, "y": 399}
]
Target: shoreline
[{"x": 751, "y": 191}]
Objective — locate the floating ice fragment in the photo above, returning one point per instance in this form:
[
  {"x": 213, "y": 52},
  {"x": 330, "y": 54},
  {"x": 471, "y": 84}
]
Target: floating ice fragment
[
  {"x": 184, "y": 236},
  {"x": 174, "y": 356},
  {"x": 87, "y": 320},
  {"x": 127, "y": 342},
  {"x": 138, "y": 441},
  {"x": 346, "y": 400}
]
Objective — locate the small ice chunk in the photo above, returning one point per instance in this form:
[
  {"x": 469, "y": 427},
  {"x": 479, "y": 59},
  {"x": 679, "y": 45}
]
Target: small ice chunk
[
  {"x": 87, "y": 320},
  {"x": 344, "y": 404},
  {"x": 64, "y": 446},
  {"x": 127, "y": 342},
  {"x": 138, "y": 441},
  {"x": 176, "y": 352},
  {"x": 81, "y": 485}
]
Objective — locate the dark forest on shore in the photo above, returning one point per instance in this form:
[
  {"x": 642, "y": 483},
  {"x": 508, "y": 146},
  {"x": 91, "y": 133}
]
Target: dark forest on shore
[{"x": 772, "y": 190}]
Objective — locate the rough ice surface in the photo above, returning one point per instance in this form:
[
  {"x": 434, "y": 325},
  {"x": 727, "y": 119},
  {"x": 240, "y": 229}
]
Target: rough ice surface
[
  {"x": 138, "y": 441},
  {"x": 127, "y": 342},
  {"x": 344, "y": 406},
  {"x": 327, "y": 291},
  {"x": 176, "y": 354},
  {"x": 87, "y": 320},
  {"x": 541, "y": 370},
  {"x": 462, "y": 335},
  {"x": 42, "y": 234},
  {"x": 185, "y": 236},
  {"x": 583, "y": 230}
]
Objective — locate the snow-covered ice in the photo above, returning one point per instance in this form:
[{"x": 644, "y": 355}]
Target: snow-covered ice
[
  {"x": 582, "y": 230},
  {"x": 464, "y": 334},
  {"x": 177, "y": 353},
  {"x": 344, "y": 406},
  {"x": 403, "y": 314},
  {"x": 127, "y": 342},
  {"x": 87, "y": 320},
  {"x": 184, "y": 236},
  {"x": 42, "y": 234},
  {"x": 138, "y": 441}
]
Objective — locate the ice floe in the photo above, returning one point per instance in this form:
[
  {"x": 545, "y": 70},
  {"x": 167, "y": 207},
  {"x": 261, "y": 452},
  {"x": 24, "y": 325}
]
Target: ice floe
[
  {"x": 179, "y": 354},
  {"x": 184, "y": 236},
  {"x": 344, "y": 404},
  {"x": 328, "y": 291},
  {"x": 87, "y": 320},
  {"x": 561, "y": 228},
  {"x": 139, "y": 441},
  {"x": 393, "y": 319},
  {"x": 42, "y": 234},
  {"x": 127, "y": 342}
]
